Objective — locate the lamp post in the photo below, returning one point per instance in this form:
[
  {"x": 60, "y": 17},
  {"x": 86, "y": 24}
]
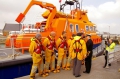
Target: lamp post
[
  {"x": 109, "y": 31},
  {"x": 81, "y": 4}
]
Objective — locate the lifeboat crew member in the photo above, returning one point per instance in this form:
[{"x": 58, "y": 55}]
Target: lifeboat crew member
[
  {"x": 79, "y": 51},
  {"x": 49, "y": 45},
  {"x": 69, "y": 56},
  {"x": 62, "y": 51},
  {"x": 35, "y": 51}
]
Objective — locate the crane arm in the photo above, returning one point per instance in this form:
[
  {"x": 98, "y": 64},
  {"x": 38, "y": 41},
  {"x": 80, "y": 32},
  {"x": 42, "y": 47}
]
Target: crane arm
[{"x": 45, "y": 5}]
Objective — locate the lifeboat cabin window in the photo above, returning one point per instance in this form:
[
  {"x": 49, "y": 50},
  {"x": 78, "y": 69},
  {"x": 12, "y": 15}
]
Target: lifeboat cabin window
[
  {"x": 87, "y": 28},
  {"x": 91, "y": 28},
  {"x": 94, "y": 28},
  {"x": 77, "y": 28},
  {"x": 71, "y": 28}
]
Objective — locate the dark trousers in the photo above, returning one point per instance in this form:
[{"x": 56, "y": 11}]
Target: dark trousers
[
  {"x": 106, "y": 58},
  {"x": 76, "y": 66},
  {"x": 88, "y": 63}
]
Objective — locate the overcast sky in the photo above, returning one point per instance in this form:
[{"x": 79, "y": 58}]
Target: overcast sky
[{"x": 103, "y": 13}]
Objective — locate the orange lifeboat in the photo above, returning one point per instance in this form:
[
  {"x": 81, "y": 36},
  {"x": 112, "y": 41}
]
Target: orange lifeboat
[{"x": 58, "y": 21}]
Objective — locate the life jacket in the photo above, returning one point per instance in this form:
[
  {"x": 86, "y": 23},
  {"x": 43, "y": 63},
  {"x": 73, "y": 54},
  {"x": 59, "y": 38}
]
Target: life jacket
[
  {"x": 52, "y": 43},
  {"x": 39, "y": 47},
  {"x": 63, "y": 43},
  {"x": 77, "y": 49}
]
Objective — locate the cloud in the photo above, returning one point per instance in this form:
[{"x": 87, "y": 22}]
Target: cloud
[
  {"x": 104, "y": 15},
  {"x": 9, "y": 10}
]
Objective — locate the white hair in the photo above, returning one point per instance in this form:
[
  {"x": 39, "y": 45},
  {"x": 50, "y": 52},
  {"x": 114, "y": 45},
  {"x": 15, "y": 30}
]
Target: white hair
[
  {"x": 52, "y": 33},
  {"x": 38, "y": 35}
]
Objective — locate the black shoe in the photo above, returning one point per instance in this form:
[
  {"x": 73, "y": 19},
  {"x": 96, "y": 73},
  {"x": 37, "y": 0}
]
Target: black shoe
[
  {"x": 85, "y": 72},
  {"x": 109, "y": 64},
  {"x": 103, "y": 66},
  {"x": 32, "y": 77},
  {"x": 78, "y": 76}
]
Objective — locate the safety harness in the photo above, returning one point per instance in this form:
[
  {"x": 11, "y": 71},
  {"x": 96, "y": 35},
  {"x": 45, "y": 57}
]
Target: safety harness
[
  {"x": 39, "y": 47},
  {"x": 78, "y": 49},
  {"x": 52, "y": 43},
  {"x": 63, "y": 44}
]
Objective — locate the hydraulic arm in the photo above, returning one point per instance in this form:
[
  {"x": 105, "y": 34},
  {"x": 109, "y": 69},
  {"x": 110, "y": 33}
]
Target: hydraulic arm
[{"x": 45, "y": 5}]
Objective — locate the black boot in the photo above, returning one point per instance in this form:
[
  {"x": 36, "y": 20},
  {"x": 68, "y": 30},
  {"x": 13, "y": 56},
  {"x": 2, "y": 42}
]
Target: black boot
[
  {"x": 109, "y": 64},
  {"x": 78, "y": 76}
]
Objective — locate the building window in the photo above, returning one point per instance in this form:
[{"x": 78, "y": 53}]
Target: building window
[
  {"x": 77, "y": 28},
  {"x": 91, "y": 28},
  {"x": 87, "y": 28},
  {"x": 71, "y": 28}
]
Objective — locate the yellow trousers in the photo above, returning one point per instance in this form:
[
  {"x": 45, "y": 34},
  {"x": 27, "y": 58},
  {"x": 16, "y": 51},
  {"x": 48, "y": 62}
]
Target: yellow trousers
[
  {"x": 61, "y": 58},
  {"x": 68, "y": 61},
  {"x": 49, "y": 60},
  {"x": 37, "y": 64}
]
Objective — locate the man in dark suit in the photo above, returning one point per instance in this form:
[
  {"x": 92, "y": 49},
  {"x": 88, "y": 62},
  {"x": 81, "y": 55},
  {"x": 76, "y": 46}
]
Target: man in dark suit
[{"x": 88, "y": 59}]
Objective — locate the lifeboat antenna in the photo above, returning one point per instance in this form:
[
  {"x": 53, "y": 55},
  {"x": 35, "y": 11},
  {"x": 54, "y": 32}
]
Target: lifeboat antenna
[{"x": 60, "y": 3}]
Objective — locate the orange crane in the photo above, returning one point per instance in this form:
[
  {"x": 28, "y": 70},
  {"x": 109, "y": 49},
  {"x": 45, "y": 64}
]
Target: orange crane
[{"x": 45, "y": 5}]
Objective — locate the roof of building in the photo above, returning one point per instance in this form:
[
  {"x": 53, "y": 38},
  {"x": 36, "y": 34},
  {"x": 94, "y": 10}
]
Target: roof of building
[{"x": 12, "y": 27}]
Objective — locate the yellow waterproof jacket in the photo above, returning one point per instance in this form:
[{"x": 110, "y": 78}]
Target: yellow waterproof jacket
[
  {"x": 111, "y": 47},
  {"x": 69, "y": 42},
  {"x": 80, "y": 55},
  {"x": 58, "y": 42},
  {"x": 35, "y": 57},
  {"x": 46, "y": 42},
  {"x": 61, "y": 51},
  {"x": 33, "y": 45}
]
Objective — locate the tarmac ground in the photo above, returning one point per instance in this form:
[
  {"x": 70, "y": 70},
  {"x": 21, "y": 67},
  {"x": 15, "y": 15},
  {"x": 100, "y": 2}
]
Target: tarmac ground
[{"x": 97, "y": 72}]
